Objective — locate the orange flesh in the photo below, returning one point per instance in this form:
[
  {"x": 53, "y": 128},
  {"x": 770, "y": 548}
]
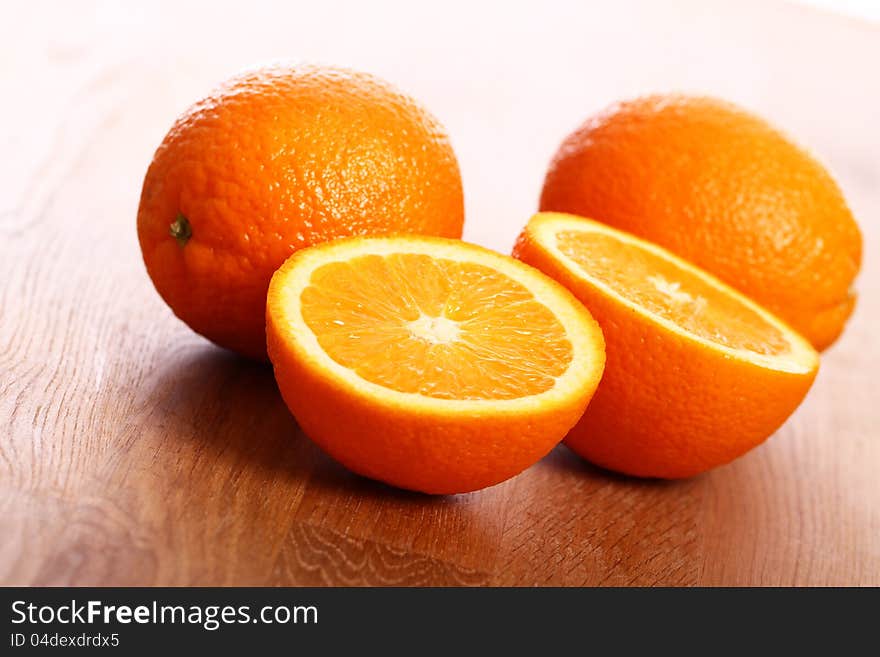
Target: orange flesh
[
  {"x": 665, "y": 289},
  {"x": 436, "y": 327}
]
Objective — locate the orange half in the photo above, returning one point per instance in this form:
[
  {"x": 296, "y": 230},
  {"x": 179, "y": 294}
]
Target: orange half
[
  {"x": 429, "y": 363},
  {"x": 696, "y": 375}
]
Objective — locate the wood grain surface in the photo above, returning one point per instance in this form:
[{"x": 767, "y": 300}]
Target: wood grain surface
[{"x": 134, "y": 452}]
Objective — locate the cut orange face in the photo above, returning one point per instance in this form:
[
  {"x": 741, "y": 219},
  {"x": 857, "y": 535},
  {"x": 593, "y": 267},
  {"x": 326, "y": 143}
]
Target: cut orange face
[
  {"x": 697, "y": 374},
  {"x": 428, "y": 363}
]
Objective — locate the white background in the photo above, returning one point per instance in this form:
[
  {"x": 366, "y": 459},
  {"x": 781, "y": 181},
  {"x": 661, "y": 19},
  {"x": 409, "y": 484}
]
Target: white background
[{"x": 508, "y": 79}]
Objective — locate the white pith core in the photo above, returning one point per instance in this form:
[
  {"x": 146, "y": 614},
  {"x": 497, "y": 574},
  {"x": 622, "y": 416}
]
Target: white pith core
[
  {"x": 435, "y": 330},
  {"x": 672, "y": 291}
]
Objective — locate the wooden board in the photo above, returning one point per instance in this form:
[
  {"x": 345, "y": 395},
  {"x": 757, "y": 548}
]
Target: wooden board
[{"x": 133, "y": 452}]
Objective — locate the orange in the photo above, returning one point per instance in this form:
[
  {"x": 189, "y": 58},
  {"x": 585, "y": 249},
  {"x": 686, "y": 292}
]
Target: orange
[
  {"x": 427, "y": 363},
  {"x": 275, "y": 160},
  {"x": 697, "y": 374},
  {"x": 722, "y": 189}
]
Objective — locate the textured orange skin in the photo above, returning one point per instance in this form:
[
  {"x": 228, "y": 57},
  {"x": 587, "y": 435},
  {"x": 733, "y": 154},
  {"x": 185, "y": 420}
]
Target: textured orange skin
[
  {"x": 667, "y": 406},
  {"x": 429, "y": 452},
  {"x": 724, "y": 190},
  {"x": 278, "y": 159}
]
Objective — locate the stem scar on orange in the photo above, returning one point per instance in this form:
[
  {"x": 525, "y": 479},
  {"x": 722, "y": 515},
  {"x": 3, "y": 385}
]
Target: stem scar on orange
[{"x": 275, "y": 160}]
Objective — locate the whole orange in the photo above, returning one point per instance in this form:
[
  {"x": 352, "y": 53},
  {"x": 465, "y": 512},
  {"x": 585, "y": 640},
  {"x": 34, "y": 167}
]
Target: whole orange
[
  {"x": 723, "y": 189},
  {"x": 278, "y": 159}
]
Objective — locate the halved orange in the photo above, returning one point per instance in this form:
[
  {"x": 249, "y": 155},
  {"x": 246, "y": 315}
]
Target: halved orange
[
  {"x": 697, "y": 374},
  {"x": 428, "y": 363}
]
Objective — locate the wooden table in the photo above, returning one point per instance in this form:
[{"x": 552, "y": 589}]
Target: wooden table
[{"x": 134, "y": 452}]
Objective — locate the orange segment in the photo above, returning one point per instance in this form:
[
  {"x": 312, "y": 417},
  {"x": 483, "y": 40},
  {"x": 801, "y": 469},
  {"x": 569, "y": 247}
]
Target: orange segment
[
  {"x": 435, "y": 327},
  {"x": 429, "y": 363},
  {"x": 664, "y": 288},
  {"x": 697, "y": 374}
]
